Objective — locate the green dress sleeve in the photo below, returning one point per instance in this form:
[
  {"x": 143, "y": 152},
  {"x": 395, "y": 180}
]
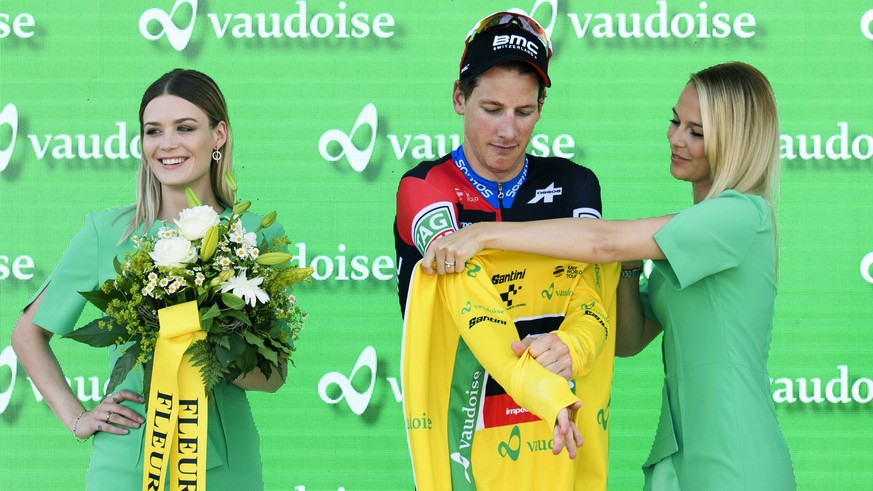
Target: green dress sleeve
[
  {"x": 77, "y": 271},
  {"x": 713, "y": 235}
]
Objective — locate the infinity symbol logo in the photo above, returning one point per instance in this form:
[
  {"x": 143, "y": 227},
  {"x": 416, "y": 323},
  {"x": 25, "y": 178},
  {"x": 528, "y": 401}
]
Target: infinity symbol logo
[
  {"x": 551, "y": 24},
  {"x": 357, "y": 401},
  {"x": 512, "y": 447},
  {"x": 867, "y": 24},
  {"x": 603, "y": 415},
  {"x": 9, "y": 115},
  {"x": 8, "y": 359},
  {"x": 460, "y": 459},
  {"x": 550, "y": 292},
  {"x": 358, "y": 158},
  {"x": 178, "y": 37},
  {"x": 866, "y": 262}
]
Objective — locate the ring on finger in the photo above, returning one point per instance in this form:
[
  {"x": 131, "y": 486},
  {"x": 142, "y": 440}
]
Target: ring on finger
[
  {"x": 450, "y": 264},
  {"x": 108, "y": 416}
]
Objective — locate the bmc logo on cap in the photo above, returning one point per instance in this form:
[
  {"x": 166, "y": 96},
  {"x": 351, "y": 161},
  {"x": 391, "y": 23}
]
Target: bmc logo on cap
[{"x": 516, "y": 40}]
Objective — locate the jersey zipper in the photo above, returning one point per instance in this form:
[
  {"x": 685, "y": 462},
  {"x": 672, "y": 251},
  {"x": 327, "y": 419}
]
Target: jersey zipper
[{"x": 500, "y": 197}]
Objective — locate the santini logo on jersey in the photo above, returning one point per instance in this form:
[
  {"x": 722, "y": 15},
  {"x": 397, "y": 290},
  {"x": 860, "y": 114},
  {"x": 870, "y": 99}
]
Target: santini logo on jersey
[
  {"x": 503, "y": 278},
  {"x": 485, "y": 318}
]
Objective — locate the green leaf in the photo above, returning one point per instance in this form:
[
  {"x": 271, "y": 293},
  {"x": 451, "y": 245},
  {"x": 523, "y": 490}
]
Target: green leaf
[
  {"x": 117, "y": 265},
  {"x": 241, "y": 316},
  {"x": 193, "y": 199},
  {"x": 237, "y": 347},
  {"x": 233, "y": 301},
  {"x": 222, "y": 341},
  {"x": 232, "y": 374},
  {"x": 147, "y": 381},
  {"x": 278, "y": 346},
  {"x": 249, "y": 359},
  {"x": 255, "y": 340},
  {"x": 93, "y": 335},
  {"x": 212, "y": 311},
  {"x": 270, "y": 355},
  {"x": 265, "y": 367},
  {"x": 100, "y": 299},
  {"x": 224, "y": 355},
  {"x": 211, "y": 371},
  {"x": 275, "y": 342},
  {"x": 206, "y": 324},
  {"x": 122, "y": 367}
]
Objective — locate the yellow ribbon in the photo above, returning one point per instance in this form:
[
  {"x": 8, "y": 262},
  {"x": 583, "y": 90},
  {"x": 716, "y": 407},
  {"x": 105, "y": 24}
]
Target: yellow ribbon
[{"x": 175, "y": 437}]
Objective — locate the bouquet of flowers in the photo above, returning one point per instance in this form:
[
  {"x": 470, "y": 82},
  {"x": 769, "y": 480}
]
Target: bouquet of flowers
[{"x": 242, "y": 289}]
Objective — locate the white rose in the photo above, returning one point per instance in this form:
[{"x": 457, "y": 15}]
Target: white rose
[
  {"x": 174, "y": 252},
  {"x": 194, "y": 222}
]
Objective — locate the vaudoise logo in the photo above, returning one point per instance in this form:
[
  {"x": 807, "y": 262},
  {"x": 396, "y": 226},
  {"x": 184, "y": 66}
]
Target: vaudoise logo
[
  {"x": 550, "y": 6},
  {"x": 358, "y": 158},
  {"x": 335, "y": 387},
  {"x": 336, "y": 144},
  {"x": 46, "y": 144},
  {"x": 178, "y": 37},
  {"x": 178, "y": 24}
]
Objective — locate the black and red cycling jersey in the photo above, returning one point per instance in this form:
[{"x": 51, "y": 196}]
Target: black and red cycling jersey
[{"x": 438, "y": 197}]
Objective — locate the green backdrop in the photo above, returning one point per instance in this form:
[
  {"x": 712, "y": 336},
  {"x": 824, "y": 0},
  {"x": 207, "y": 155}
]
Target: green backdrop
[{"x": 331, "y": 101}]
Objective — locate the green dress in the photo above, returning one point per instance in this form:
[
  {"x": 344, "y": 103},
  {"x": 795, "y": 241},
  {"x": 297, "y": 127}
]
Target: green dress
[
  {"x": 233, "y": 458},
  {"x": 714, "y": 298}
]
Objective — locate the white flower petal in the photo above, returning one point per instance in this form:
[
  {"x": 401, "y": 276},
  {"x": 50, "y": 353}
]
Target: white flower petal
[{"x": 245, "y": 288}]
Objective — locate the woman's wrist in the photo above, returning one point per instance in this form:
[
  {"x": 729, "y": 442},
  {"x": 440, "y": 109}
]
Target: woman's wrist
[
  {"x": 631, "y": 269},
  {"x": 75, "y": 427},
  {"x": 485, "y": 235}
]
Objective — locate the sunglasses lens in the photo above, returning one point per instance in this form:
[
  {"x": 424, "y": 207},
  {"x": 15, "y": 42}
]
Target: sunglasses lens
[{"x": 504, "y": 18}]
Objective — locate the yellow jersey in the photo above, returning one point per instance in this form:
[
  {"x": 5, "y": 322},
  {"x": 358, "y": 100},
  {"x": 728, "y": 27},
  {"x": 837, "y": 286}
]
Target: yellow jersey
[{"x": 477, "y": 415}]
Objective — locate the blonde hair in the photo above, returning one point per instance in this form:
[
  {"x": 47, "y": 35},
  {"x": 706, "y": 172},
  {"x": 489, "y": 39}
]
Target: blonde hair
[
  {"x": 200, "y": 90},
  {"x": 741, "y": 125}
]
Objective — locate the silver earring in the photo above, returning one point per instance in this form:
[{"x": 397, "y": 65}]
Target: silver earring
[{"x": 216, "y": 155}]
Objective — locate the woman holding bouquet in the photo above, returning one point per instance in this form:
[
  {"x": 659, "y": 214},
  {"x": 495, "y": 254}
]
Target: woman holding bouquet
[
  {"x": 711, "y": 292},
  {"x": 186, "y": 143}
]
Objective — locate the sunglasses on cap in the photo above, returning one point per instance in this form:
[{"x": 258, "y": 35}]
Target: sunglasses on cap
[{"x": 503, "y": 19}]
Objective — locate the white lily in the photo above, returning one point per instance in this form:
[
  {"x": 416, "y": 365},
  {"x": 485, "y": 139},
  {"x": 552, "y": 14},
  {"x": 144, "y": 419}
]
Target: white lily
[{"x": 245, "y": 288}]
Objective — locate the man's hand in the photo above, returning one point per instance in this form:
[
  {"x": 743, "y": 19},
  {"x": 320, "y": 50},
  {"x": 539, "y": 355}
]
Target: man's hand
[
  {"x": 566, "y": 434},
  {"x": 549, "y": 351}
]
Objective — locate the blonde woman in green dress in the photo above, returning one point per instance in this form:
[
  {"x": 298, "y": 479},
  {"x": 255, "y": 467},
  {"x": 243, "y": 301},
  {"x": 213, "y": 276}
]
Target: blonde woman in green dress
[
  {"x": 186, "y": 142},
  {"x": 711, "y": 291}
]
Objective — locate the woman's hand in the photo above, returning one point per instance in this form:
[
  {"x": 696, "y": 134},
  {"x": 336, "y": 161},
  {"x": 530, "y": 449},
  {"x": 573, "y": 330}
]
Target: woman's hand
[
  {"x": 109, "y": 416},
  {"x": 449, "y": 253},
  {"x": 256, "y": 381}
]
